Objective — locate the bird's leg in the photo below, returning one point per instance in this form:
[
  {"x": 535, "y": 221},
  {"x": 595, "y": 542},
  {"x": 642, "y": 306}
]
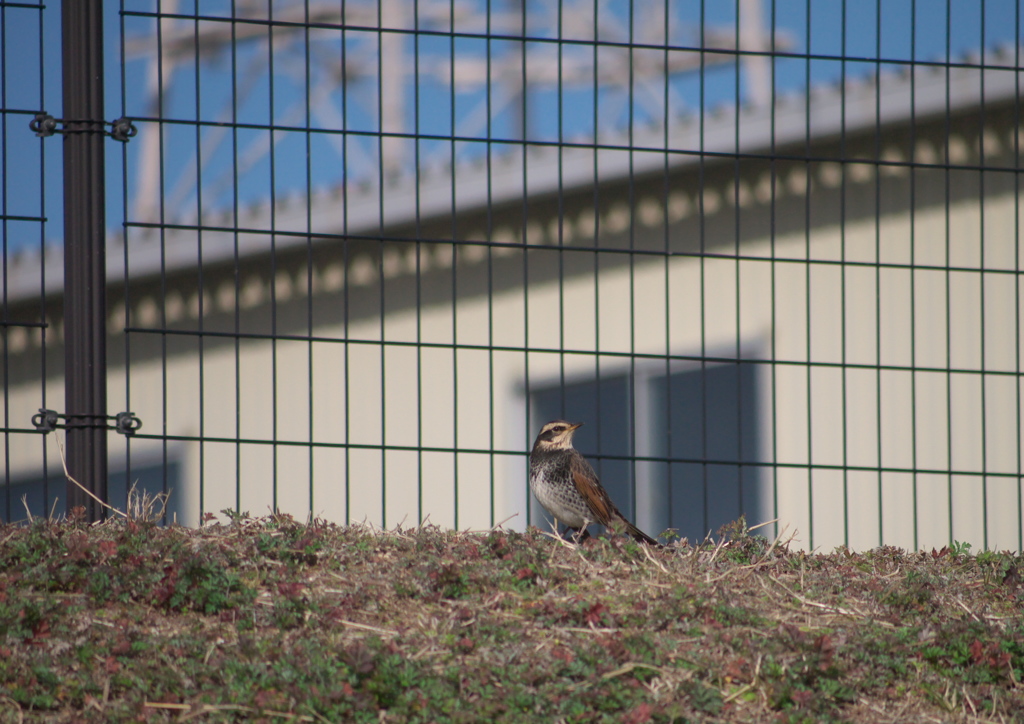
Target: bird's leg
[{"x": 578, "y": 534}]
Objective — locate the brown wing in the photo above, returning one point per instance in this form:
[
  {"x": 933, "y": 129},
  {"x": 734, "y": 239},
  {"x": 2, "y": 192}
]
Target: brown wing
[
  {"x": 600, "y": 504},
  {"x": 589, "y": 487}
]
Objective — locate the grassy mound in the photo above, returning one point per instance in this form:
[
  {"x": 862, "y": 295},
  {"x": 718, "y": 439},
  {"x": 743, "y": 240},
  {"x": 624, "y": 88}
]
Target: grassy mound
[{"x": 274, "y": 620}]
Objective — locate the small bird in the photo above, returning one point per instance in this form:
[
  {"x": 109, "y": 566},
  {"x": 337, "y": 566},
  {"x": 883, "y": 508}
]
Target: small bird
[{"x": 568, "y": 487}]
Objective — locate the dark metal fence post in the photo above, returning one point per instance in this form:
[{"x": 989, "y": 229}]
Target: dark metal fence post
[{"x": 85, "y": 353}]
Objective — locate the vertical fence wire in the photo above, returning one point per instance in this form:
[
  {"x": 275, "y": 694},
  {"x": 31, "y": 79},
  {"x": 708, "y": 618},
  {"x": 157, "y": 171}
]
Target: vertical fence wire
[
  {"x": 702, "y": 197},
  {"x": 165, "y": 396},
  {"x": 455, "y": 230},
  {"x": 488, "y": 236},
  {"x": 274, "y": 271},
  {"x": 346, "y": 277},
  {"x": 981, "y": 291},
  {"x": 520, "y": 136},
  {"x": 912, "y": 276},
  {"x": 948, "y": 263},
  {"x": 807, "y": 280},
  {"x": 421, "y": 380},
  {"x": 842, "y": 286},
  {"x": 126, "y": 296},
  {"x": 201, "y": 280},
  {"x": 382, "y": 351},
  {"x": 44, "y": 367},
  {"x": 236, "y": 327},
  {"x": 311, "y": 372},
  {"x": 3, "y": 229},
  {"x": 670, "y": 432},
  {"x": 1016, "y": 279},
  {"x": 774, "y": 181}
]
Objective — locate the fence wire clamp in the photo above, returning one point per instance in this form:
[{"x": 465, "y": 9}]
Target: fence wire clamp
[
  {"x": 45, "y": 125},
  {"x": 123, "y": 130},
  {"x": 125, "y": 423},
  {"x": 46, "y": 420}
]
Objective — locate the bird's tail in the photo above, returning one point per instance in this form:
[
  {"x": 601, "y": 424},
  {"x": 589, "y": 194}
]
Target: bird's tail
[{"x": 639, "y": 535}]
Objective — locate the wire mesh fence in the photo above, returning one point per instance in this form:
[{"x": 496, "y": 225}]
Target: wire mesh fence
[{"x": 768, "y": 253}]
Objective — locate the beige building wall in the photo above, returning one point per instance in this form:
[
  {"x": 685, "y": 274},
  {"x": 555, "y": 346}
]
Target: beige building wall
[{"x": 874, "y": 314}]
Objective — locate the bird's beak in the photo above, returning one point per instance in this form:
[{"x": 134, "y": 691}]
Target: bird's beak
[{"x": 576, "y": 426}]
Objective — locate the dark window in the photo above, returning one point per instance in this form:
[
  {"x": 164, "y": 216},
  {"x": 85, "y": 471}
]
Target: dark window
[
  {"x": 604, "y": 409},
  {"x": 710, "y": 419},
  {"x": 706, "y": 418}
]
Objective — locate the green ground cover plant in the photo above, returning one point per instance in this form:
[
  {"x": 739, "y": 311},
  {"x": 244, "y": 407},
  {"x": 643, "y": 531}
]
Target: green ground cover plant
[{"x": 271, "y": 619}]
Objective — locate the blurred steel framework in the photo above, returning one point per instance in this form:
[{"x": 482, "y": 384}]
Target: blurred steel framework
[
  {"x": 181, "y": 40},
  {"x": 209, "y": 260}
]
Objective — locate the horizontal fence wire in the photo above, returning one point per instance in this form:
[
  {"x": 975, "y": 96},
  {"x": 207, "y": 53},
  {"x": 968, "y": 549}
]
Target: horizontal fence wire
[
  {"x": 512, "y": 246},
  {"x": 568, "y": 351}
]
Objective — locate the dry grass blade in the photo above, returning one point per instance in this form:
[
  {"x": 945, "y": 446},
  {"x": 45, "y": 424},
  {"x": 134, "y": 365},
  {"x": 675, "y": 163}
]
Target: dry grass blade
[
  {"x": 962, "y": 605},
  {"x": 718, "y": 549},
  {"x": 28, "y": 512},
  {"x": 652, "y": 559},
  {"x": 631, "y": 666},
  {"x": 142, "y": 506},
  {"x": 146, "y": 506},
  {"x": 775, "y": 543},
  {"x": 67, "y": 474},
  {"x": 367, "y": 627},
  {"x": 198, "y": 709},
  {"x": 499, "y": 524},
  {"x": 554, "y": 535},
  {"x": 825, "y": 606},
  {"x": 738, "y": 693},
  {"x": 762, "y": 525}
]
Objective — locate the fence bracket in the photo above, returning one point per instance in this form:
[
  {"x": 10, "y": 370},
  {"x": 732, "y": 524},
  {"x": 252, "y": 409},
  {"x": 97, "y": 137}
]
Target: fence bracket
[
  {"x": 45, "y": 125},
  {"x": 125, "y": 423}
]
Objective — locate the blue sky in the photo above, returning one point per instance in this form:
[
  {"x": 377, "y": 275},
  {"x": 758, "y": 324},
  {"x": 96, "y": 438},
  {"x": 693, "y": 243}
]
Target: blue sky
[{"x": 872, "y": 36}]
